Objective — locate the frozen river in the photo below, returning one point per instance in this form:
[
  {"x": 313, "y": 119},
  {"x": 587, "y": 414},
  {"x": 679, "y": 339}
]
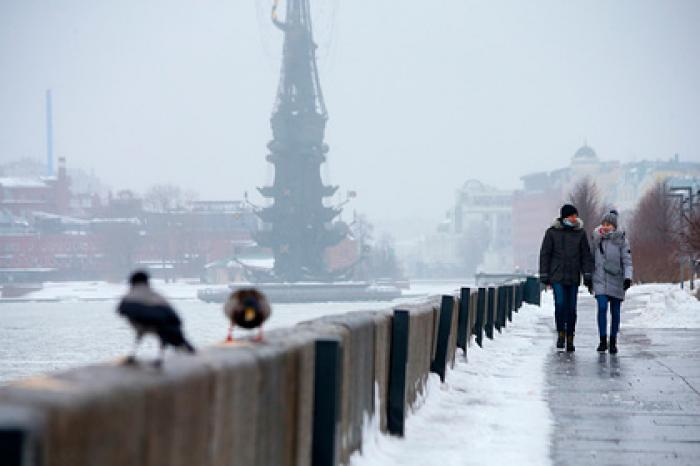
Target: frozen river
[{"x": 40, "y": 337}]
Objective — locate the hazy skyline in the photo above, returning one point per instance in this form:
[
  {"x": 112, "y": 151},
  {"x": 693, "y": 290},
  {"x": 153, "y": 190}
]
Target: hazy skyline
[{"x": 421, "y": 95}]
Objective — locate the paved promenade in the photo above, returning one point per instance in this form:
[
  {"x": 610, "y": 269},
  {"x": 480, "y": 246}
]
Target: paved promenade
[{"x": 640, "y": 407}]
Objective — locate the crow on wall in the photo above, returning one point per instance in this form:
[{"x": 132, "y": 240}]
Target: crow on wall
[{"x": 149, "y": 312}]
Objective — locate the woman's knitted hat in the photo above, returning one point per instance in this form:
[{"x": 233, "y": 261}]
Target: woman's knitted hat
[{"x": 611, "y": 218}]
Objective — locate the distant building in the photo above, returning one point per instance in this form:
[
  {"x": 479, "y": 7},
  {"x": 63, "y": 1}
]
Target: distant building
[
  {"x": 47, "y": 232},
  {"x": 495, "y": 230},
  {"x": 533, "y": 212},
  {"x": 438, "y": 255},
  {"x": 108, "y": 241},
  {"x": 24, "y": 195},
  {"x": 485, "y": 211},
  {"x": 475, "y": 235}
]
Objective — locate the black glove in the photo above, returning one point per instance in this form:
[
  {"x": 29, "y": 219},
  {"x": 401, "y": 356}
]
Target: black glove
[
  {"x": 627, "y": 284},
  {"x": 546, "y": 281},
  {"x": 588, "y": 283}
]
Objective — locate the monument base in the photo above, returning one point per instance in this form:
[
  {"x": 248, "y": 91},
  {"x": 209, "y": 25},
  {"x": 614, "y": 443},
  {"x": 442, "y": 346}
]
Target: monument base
[{"x": 307, "y": 292}]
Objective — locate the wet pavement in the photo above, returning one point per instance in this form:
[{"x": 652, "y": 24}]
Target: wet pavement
[{"x": 640, "y": 407}]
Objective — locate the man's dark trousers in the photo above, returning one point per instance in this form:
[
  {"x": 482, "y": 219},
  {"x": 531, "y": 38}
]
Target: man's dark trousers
[{"x": 565, "y": 307}]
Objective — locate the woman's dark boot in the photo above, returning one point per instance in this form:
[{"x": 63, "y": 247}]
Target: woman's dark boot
[
  {"x": 603, "y": 346},
  {"x": 570, "y": 344},
  {"x": 560, "y": 340},
  {"x": 613, "y": 345}
]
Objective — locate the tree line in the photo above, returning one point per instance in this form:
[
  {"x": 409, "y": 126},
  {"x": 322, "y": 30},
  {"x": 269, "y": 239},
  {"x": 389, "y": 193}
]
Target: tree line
[{"x": 661, "y": 233}]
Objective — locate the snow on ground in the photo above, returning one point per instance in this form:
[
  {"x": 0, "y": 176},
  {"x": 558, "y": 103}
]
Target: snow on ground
[
  {"x": 100, "y": 290},
  {"x": 491, "y": 409},
  {"x": 662, "y": 306}
]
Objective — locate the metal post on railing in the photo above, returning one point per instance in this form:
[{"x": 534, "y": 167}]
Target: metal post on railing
[
  {"x": 325, "y": 446},
  {"x": 472, "y": 316},
  {"x": 480, "y": 314},
  {"x": 511, "y": 301},
  {"x": 490, "y": 311},
  {"x": 532, "y": 291},
  {"x": 20, "y": 436},
  {"x": 12, "y": 448},
  {"x": 463, "y": 319},
  {"x": 398, "y": 357},
  {"x": 499, "y": 309},
  {"x": 444, "y": 323},
  {"x": 504, "y": 310},
  {"x": 518, "y": 295}
]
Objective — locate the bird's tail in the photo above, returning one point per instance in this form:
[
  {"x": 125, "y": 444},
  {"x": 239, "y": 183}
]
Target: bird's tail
[
  {"x": 187, "y": 346},
  {"x": 175, "y": 338}
]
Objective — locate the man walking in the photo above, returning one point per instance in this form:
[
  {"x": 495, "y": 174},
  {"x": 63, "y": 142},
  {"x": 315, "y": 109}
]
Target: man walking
[{"x": 565, "y": 256}]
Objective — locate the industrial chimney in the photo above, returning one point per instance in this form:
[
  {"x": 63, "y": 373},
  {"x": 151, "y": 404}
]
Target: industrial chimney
[{"x": 49, "y": 135}]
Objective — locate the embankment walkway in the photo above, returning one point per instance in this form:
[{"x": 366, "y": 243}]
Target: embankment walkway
[{"x": 639, "y": 407}]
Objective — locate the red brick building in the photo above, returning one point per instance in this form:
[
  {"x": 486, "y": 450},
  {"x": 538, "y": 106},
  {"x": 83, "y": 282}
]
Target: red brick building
[
  {"x": 24, "y": 195},
  {"x": 533, "y": 213}
]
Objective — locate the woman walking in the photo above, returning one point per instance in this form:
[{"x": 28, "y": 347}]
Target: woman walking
[{"x": 612, "y": 276}]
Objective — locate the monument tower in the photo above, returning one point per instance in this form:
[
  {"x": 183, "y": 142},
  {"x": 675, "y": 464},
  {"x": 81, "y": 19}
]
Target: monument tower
[{"x": 298, "y": 225}]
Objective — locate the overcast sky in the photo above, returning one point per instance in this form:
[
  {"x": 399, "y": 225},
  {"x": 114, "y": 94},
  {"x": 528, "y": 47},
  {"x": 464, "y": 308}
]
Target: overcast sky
[{"x": 422, "y": 94}]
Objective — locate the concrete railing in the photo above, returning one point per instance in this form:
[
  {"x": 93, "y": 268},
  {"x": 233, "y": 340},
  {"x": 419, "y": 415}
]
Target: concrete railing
[{"x": 301, "y": 397}]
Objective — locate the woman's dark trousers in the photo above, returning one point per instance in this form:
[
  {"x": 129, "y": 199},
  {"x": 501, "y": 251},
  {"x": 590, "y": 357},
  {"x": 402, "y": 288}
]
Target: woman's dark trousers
[{"x": 615, "y": 304}]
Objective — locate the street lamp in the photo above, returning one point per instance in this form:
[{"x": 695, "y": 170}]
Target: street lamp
[{"x": 688, "y": 200}]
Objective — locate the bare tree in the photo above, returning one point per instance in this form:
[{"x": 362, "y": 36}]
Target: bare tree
[
  {"x": 162, "y": 198},
  {"x": 363, "y": 231},
  {"x": 692, "y": 233},
  {"x": 689, "y": 231},
  {"x": 383, "y": 260},
  {"x": 655, "y": 237},
  {"x": 121, "y": 240},
  {"x": 586, "y": 198},
  {"x": 472, "y": 246},
  {"x": 690, "y": 241}
]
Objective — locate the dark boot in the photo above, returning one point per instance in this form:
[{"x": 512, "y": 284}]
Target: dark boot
[
  {"x": 613, "y": 345},
  {"x": 603, "y": 346},
  {"x": 570, "y": 344},
  {"x": 560, "y": 340}
]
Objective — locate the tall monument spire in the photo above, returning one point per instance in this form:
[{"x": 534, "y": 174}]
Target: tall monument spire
[{"x": 297, "y": 223}]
